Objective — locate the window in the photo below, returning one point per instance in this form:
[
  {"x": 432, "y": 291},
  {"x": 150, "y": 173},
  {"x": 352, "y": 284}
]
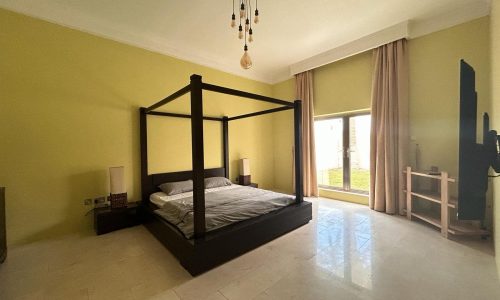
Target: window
[{"x": 343, "y": 152}]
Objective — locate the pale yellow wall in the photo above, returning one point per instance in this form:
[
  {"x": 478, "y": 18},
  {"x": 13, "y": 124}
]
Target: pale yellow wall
[
  {"x": 344, "y": 196},
  {"x": 434, "y": 93},
  {"x": 495, "y": 111},
  {"x": 69, "y": 110},
  {"x": 343, "y": 86},
  {"x": 434, "y": 89}
]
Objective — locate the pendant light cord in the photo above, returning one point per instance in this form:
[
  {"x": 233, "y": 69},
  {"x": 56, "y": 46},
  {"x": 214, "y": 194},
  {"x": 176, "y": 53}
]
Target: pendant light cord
[{"x": 250, "y": 12}]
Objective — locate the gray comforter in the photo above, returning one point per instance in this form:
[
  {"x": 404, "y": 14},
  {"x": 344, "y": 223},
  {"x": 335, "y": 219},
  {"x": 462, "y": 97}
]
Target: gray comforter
[{"x": 224, "y": 207}]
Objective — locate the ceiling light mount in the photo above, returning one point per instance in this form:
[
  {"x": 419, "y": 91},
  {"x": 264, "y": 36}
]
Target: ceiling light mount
[{"x": 245, "y": 8}]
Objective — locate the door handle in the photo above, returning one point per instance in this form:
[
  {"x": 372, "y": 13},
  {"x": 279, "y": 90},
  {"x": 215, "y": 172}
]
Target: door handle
[{"x": 346, "y": 152}]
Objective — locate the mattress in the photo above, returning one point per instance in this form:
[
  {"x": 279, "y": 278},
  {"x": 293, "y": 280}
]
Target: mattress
[{"x": 223, "y": 207}]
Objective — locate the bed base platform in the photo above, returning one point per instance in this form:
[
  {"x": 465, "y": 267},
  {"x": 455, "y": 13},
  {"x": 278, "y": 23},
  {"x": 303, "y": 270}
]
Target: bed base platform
[{"x": 199, "y": 255}]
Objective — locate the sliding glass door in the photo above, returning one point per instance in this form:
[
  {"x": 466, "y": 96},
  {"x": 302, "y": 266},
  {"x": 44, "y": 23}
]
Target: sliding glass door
[
  {"x": 329, "y": 154},
  {"x": 343, "y": 152},
  {"x": 359, "y": 153}
]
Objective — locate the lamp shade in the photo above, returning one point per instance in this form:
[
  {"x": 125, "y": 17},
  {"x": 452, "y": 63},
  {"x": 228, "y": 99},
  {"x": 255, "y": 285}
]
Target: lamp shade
[
  {"x": 116, "y": 178},
  {"x": 244, "y": 167}
]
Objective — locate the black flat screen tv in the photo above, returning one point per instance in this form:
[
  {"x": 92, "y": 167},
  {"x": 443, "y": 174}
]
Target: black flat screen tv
[{"x": 474, "y": 159}]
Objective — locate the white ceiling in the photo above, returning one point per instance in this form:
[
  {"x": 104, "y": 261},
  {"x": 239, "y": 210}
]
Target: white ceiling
[{"x": 289, "y": 31}]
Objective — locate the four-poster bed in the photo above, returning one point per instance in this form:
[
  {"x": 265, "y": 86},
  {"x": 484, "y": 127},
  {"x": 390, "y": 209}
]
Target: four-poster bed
[{"x": 207, "y": 249}]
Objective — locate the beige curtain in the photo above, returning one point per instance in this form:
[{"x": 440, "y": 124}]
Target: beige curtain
[
  {"x": 389, "y": 129},
  {"x": 304, "y": 92}
]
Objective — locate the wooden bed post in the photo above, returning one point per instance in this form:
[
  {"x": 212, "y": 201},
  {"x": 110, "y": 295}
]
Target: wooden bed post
[
  {"x": 209, "y": 249},
  {"x": 225, "y": 145},
  {"x": 297, "y": 120},
  {"x": 143, "y": 133},
  {"x": 198, "y": 160}
]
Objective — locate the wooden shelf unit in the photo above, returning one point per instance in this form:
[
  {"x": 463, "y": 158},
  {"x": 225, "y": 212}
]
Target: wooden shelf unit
[{"x": 441, "y": 220}]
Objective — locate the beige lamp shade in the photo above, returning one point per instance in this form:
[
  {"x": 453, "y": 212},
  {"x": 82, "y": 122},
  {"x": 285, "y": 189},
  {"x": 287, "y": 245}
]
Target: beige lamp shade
[
  {"x": 244, "y": 167},
  {"x": 117, "y": 180}
]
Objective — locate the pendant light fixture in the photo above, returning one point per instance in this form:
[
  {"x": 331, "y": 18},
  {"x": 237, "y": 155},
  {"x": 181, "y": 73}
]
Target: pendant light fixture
[
  {"x": 233, "y": 18},
  {"x": 245, "y": 31}
]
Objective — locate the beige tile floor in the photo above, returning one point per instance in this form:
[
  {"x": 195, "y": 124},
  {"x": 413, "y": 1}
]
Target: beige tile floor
[{"x": 346, "y": 252}]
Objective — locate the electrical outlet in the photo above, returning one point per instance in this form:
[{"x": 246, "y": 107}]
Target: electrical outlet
[
  {"x": 99, "y": 200},
  {"x": 87, "y": 202}
]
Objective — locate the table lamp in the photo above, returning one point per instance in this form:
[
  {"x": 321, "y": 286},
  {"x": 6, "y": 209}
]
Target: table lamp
[
  {"x": 118, "y": 193},
  {"x": 244, "y": 178}
]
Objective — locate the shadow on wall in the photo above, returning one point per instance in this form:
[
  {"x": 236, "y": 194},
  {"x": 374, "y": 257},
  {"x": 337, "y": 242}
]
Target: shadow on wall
[{"x": 78, "y": 219}]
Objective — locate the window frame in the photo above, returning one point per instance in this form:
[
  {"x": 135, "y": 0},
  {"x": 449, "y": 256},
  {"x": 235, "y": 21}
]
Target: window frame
[{"x": 346, "y": 157}]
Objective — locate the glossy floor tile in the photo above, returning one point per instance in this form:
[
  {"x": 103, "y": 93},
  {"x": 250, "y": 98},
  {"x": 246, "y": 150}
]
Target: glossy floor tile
[{"x": 346, "y": 252}]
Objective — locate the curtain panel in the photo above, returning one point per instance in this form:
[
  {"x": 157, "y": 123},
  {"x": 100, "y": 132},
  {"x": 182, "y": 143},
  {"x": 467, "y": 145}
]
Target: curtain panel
[
  {"x": 389, "y": 139},
  {"x": 304, "y": 92}
]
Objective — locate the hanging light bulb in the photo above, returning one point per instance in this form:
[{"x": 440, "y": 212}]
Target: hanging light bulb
[
  {"x": 233, "y": 18},
  {"x": 240, "y": 32},
  {"x": 245, "y": 30},
  {"x": 242, "y": 10},
  {"x": 233, "y": 21},
  {"x": 246, "y": 61},
  {"x": 256, "y": 18}
]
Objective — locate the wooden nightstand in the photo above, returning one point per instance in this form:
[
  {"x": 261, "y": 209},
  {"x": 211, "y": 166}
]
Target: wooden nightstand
[{"x": 107, "y": 219}]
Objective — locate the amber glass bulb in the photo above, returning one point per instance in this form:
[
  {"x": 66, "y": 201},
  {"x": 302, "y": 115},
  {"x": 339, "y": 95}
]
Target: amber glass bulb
[
  {"x": 242, "y": 10},
  {"x": 240, "y": 32},
  {"x": 246, "y": 61},
  {"x": 233, "y": 21}
]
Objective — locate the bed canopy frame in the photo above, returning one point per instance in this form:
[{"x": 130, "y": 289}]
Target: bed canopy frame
[{"x": 200, "y": 260}]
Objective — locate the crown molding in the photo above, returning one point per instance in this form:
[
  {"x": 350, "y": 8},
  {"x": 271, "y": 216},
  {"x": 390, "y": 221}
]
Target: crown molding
[
  {"x": 465, "y": 14},
  {"x": 408, "y": 29},
  {"x": 368, "y": 42},
  {"x": 281, "y": 75},
  {"x": 130, "y": 38}
]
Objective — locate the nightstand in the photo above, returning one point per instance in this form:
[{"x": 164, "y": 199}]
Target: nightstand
[{"x": 107, "y": 219}]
